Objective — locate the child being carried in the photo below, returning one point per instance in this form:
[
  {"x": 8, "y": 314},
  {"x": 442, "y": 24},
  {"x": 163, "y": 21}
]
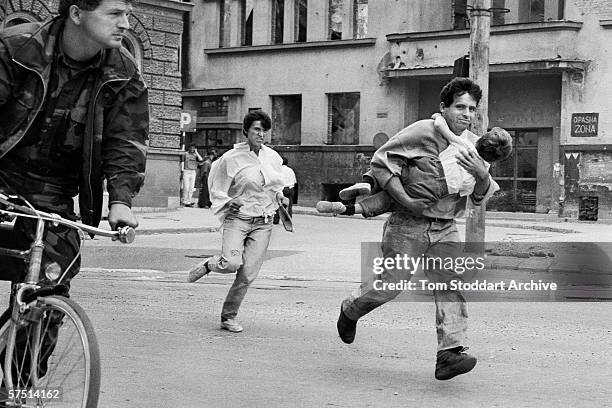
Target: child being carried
[{"x": 426, "y": 177}]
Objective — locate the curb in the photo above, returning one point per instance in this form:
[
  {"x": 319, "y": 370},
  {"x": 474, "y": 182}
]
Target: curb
[{"x": 497, "y": 222}]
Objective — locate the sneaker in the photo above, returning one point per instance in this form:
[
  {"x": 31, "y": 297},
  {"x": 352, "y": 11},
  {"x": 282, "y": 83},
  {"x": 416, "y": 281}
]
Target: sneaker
[
  {"x": 330, "y": 207},
  {"x": 355, "y": 190},
  {"x": 231, "y": 325},
  {"x": 453, "y": 362},
  {"x": 198, "y": 271},
  {"x": 346, "y": 328}
]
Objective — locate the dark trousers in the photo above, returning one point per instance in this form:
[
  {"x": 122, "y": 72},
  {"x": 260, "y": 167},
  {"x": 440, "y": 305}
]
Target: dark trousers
[
  {"x": 204, "y": 196},
  {"x": 289, "y": 193}
]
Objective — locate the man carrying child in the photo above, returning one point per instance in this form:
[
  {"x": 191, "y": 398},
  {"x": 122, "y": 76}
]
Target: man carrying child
[{"x": 422, "y": 223}]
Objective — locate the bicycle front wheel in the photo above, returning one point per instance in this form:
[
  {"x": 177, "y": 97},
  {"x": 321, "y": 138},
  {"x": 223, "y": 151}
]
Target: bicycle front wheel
[{"x": 53, "y": 358}]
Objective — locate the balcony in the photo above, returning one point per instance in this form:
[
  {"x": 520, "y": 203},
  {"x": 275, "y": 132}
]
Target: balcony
[{"x": 543, "y": 46}]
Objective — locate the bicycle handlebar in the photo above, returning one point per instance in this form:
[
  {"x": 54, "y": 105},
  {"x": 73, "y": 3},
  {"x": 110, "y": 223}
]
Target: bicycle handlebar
[{"x": 124, "y": 234}]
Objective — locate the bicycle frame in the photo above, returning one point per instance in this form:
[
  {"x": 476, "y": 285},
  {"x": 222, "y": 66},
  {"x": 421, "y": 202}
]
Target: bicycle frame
[
  {"x": 34, "y": 255},
  {"x": 24, "y": 308}
]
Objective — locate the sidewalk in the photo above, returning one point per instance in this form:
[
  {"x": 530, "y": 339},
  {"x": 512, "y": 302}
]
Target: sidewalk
[
  {"x": 554, "y": 256},
  {"x": 199, "y": 220}
]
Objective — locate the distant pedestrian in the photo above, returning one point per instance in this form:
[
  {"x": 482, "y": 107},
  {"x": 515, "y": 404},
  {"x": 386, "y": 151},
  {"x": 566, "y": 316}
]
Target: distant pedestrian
[
  {"x": 289, "y": 182},
  {"x": 245, "y": 188},
  {"x": 204, "y": 171},
  {"x": 190, "y": 166}
]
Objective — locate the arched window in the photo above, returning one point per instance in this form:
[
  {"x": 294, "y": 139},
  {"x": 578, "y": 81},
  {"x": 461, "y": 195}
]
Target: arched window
[
  {"x": 19, "y": 17},
  {"x": 133, "y": 46}
]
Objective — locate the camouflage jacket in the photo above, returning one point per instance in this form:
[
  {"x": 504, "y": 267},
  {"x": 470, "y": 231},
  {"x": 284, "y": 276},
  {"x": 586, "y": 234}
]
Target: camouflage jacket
[{"x": 117, "y": 125}]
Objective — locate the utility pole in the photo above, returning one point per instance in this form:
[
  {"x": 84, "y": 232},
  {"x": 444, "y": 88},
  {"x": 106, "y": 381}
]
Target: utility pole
[{"x": 480, "y": 31}]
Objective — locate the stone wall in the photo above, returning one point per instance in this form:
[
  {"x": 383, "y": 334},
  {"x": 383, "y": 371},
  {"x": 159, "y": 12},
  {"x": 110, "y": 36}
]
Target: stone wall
[
  {"x": 322, "y": 170},
  {"x": 588, "y": 175}
]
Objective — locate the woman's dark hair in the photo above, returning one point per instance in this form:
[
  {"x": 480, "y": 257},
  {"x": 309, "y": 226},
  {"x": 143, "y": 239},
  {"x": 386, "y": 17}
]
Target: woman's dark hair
[
  {"x": 255, "y": 116},
  {"x": 457, "y": 87},
  {"x": 495, "y": 145}
]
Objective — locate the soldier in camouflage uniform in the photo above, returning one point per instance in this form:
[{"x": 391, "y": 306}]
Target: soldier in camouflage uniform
[{"x": 73, "y": 112}]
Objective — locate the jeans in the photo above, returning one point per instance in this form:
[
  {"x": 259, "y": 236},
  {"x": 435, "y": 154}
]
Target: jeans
[
  {"x": 415, "y": 236},
  {"x": 244, "y": 245},
  {"x": 189, "y": 177}
]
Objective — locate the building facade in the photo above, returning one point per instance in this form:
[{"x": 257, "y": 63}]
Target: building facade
[
  {"x": 155, "y": 39},
  {"x": 339, "y": 77}
]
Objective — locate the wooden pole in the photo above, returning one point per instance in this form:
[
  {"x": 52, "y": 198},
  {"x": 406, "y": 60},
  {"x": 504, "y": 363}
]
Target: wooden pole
[{"x": 480, "y": 30}]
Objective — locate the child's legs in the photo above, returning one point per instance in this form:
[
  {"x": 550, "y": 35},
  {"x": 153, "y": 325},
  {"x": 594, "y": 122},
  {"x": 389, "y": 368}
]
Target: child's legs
[{"x": 371, "y": 178}]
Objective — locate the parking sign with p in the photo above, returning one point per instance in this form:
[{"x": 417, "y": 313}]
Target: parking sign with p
[{"x": 188, "y": 121}]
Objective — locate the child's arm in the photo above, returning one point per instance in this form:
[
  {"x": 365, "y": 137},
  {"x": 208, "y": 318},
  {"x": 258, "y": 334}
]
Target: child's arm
[{"x": 442, "y": 127}]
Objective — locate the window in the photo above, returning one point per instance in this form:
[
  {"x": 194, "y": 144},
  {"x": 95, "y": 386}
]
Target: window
[
  {"x": 343, "y": 119},
  {"x": 460, "y": 15},
  {"x": 533, "y": 11},
  {"x": 498, "y": 16},
  {"x": 517, "y": 175},
  {"x": 246, "y": 31},
  {"x": 336, "y": 15},
  {"x": 223, "y": 24},
  {"x": 286, "y": 120},
  {"x": 360, "y": 18},
  {"x": 132, "y": 45},
  {"x": 357, "y": 19},
  {"x": 536, "y": 10},
  {"x": 301, "y": 20},
  {"x": 219, "y": 139},
  {"x": 278, "y": 21},
  {"x": 213, "y": 106}
]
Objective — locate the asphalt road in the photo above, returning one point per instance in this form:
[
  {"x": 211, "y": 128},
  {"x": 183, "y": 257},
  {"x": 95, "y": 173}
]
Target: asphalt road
[{"x": 162, "y": 347}]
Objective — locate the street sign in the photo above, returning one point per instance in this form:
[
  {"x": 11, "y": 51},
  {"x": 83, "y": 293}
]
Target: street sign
[
  {"x": 188, "y": 121},
  {"x": 585, "y": 124}
]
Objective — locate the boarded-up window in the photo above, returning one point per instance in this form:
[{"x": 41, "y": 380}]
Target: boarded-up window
[
  {"x": 343, "y": 119},
  {"x": 286, "y": 120}
]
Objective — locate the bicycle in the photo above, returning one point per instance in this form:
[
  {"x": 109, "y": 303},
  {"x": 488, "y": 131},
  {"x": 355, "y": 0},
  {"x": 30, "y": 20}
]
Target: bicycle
[{"x": 51, "y": 355}]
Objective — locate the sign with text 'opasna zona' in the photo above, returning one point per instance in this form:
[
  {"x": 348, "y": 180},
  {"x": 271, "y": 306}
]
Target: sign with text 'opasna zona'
[{"x": 585, "y": 124}]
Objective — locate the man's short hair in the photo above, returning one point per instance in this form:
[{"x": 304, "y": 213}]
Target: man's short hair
[
  {"x": 255, "y": 116},
  {"x": 191, "y": 145},
  {"x": 495, "y": 145},
  {"x": 457, "y": 87},
  {"x": 89, "y": 5}
]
